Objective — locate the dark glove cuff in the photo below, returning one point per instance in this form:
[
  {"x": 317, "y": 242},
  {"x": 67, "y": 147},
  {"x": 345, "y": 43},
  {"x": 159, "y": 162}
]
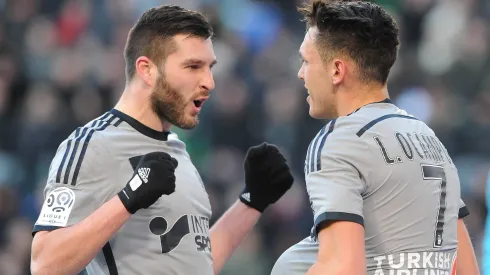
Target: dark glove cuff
[
  {"x": 252, "y": 201},
  {"x": 127, "y": 202}
]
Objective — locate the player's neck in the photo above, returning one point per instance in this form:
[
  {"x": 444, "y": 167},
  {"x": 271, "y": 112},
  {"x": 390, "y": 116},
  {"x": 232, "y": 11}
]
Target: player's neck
[
  {"x": 363, "y": 95},
  {"x": 139, "y": 108}
]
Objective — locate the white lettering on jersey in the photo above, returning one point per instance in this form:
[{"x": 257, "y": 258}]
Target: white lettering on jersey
[
  {"x": 57, "y": 207},
  {"x": 416, "y": 263}
]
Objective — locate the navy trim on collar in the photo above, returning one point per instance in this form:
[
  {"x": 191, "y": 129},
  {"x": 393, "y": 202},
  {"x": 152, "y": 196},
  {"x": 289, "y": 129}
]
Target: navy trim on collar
[
  {"x": 386, "y": 100},
  {"x": 140, "y": 127}
]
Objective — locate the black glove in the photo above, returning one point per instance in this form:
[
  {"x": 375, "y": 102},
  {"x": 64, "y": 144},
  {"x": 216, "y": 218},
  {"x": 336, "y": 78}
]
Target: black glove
[
  {"x": 267, "y": 176},
  {"x": 153, "y": 177}
]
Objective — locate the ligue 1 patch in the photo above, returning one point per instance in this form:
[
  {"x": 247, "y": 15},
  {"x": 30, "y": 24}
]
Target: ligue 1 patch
[{"x": 57, "y": 207}]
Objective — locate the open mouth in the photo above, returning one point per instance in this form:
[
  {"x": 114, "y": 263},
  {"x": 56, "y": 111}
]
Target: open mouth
[{"x": 198, "y": 103}]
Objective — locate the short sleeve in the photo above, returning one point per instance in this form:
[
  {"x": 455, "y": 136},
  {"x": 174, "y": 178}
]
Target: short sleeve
[
  {"x": 463, "y": 210},
  {"x": 78, "y": 183},
  {"x": 336, "y": 186}
]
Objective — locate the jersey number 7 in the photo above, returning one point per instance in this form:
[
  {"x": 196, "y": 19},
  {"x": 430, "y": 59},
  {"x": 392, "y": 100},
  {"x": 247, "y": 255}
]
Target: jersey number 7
[{"x": 434, "y": 172}]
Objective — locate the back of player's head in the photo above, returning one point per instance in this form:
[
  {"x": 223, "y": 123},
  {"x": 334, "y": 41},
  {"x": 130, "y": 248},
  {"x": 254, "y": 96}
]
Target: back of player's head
[
  {"x": 359, "y": 30},
  {"x": 152, "y": 34}
]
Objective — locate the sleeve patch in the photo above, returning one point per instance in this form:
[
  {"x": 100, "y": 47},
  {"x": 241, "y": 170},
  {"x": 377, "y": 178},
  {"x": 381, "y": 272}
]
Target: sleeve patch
[{"x": 57, "y": 207}]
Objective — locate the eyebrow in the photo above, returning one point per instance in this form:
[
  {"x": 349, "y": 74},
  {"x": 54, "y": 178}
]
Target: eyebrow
[
  {"x": 199, "y": 62},
  {"x": 301, "y": 57}
]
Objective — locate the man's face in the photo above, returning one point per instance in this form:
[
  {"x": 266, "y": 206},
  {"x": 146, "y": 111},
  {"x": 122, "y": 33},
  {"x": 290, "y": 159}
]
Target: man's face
[
  {"x": 185, "y": 82},
  {"x": 318, "y": 81}
]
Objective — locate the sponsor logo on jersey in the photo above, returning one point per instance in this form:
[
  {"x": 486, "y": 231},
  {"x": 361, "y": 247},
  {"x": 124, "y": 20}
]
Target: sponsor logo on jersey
[
  {"x": 170, "y": 238},
  {"x": 416, "y": 263}
]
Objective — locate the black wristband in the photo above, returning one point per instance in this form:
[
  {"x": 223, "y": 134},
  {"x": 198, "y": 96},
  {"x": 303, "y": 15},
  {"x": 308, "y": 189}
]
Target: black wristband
[{"x": 126, "y": 201}]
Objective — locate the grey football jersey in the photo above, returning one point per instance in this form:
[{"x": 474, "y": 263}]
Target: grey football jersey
[
  {"x": 387, "y": 171},
  {"x": 94, "y": 163}
]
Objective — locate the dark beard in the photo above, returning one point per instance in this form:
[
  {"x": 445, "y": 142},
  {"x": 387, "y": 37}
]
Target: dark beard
[{"x": 169, "y": 105}]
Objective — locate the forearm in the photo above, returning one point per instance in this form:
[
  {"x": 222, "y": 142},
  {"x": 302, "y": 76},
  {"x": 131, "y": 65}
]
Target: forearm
[
  {"x": 69, "y": 250},
  {"x": 229, "y": 231},
  {"x": 341, "y": 249},
  {"x": 466, "y": 261}
]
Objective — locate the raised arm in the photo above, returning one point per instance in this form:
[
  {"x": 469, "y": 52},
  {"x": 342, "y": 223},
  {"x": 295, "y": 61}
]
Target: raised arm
[
  {"x": 229, "y": 231},
  {"x": 267, "y": 178}
]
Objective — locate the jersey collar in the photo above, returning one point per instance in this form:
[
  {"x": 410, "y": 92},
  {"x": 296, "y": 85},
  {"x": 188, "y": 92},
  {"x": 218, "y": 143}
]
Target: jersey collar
[
  {"x": 386, "y": 100},
  {"x": 140, "y": 127}
]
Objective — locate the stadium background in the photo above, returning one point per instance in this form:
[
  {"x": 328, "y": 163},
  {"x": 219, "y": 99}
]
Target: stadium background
[{"x": 61, "y": 65}]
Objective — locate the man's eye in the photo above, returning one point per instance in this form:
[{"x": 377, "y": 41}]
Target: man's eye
[{"x": 193, "y": 67}]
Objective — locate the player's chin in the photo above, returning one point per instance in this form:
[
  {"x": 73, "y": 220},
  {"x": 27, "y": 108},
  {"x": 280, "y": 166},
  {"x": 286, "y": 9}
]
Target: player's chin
[
  {"x": 189, "y": 118},
  {"x": 314, "y": 113},
  {"x": 189, "y": 122}
]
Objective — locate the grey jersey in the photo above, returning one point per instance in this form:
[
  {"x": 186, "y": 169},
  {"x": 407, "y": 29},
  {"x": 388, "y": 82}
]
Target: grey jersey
[
  {"x": 94, "y": 164},
  {"x": 386, "y": 170}
]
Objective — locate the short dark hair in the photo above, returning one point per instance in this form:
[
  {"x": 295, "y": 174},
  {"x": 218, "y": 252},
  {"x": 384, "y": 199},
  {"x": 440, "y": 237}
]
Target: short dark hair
[
  {"x": 361, "y": 30},
  {"x": 151, "y": 35}
]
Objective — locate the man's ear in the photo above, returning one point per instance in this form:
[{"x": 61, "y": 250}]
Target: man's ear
[
  {"x": 146, "y": 70},
  {"x": 339, "y": 70}
]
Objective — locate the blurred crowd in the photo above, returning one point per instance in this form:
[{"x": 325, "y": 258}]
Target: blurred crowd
[{"x": 61, "y": 65}]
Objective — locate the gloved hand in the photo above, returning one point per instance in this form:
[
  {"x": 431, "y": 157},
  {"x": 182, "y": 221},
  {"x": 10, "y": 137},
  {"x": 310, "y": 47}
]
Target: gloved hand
[
  {"x": 153, "y": 177},
  {"x": 267, "y": 176}
]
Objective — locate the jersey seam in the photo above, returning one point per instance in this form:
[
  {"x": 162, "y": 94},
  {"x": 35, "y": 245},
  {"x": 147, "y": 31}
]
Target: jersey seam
[
  {"x": 368, "y": 176},
  {"x": 369, "y": 172}
]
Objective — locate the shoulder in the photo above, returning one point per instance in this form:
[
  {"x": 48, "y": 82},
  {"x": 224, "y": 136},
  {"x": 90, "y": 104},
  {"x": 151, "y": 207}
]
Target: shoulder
[
  {"x": 348, "y": 131},
  {"x": 86, "y": 139},
  {"x": 94, "y": 130},
  {"x": 97, "y": 133},
  {"x": 333, "y": 144},
  {"x": 84, "y": 150},
  {"x": 338, "y": 142},
  {"x": 342, "y": 141},
  {"x": 339, "y": 132},
  {"x": 379, "y": 116}
]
